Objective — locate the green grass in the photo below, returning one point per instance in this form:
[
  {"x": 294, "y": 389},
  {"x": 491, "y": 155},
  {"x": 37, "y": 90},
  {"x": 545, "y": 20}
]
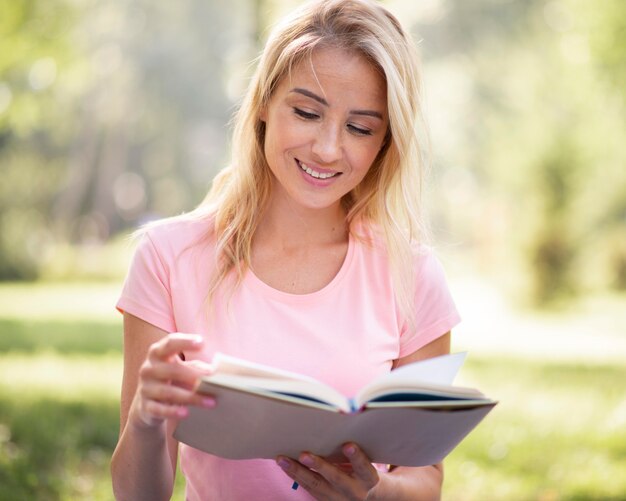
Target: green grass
[
  {"x": 71, "y": 336},
  {"x": 67, "y": 337},
  {"x": 558, "y": 433},
  {"x": 58, "y": 424}
]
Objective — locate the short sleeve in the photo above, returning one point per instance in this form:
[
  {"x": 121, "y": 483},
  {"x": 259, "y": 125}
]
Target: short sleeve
[
  {"x": 146, "y": 293},
  {"x": 435, "y": 311}
]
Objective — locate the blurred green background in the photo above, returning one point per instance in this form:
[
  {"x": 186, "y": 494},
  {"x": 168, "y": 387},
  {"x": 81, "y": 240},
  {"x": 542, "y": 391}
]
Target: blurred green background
[{"x": 113, "y": 113}]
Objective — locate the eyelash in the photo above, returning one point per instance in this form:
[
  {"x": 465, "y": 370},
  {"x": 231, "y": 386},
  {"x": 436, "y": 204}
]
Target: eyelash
[
  {"x": 312, "y": 116},
  {"x": 359, "y": 131},
  {"x": 305, "y": 114}
]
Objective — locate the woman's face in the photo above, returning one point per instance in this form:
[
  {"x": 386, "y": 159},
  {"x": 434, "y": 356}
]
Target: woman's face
[{"x": 325, "y": 124}]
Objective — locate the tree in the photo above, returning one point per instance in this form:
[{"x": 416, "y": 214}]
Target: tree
[
  {"x": 111, "y": 113},
  {"x": 541, "y": 134}
]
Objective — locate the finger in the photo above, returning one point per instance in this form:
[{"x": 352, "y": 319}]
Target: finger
[
  {"x": 361, "y": 465},
  {"x": 172, "y": 344},
  {"x": 345, "y": 467},
  {"x": 169, "y": 394},
  {"x": 154, "y": 412},
  {"x": 163, "y": 392},
  {"x": 197, "y": 368},
  {"x": 200, "y": 366},
  {"x": 336, "y": 478},
  {"x": 170, "y": 372},
  {"x": 310, "y": 481}
]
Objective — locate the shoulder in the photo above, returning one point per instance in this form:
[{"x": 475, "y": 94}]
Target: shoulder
[
  {"x": 171, "y": 237},
  {"x": 425, "y": 258},
  {"x": 180, "y": 231}
]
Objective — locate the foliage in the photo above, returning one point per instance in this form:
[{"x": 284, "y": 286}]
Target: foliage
[
  {"x": 111, "y": 113},
  {"x": 536, "y": 176},
  {"x": 33, "y": 125}
]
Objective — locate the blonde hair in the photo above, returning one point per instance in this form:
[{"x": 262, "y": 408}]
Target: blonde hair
[{"x": 389, "y": 195}]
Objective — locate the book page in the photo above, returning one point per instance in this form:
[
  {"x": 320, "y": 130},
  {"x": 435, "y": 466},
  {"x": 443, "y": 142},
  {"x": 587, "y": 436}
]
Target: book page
[
  {"x": 299, "y": 390},
  {"x": 225, "y": 364},
  {"x": 436, "y": 373},
  {"x": 259, "y": 378}
]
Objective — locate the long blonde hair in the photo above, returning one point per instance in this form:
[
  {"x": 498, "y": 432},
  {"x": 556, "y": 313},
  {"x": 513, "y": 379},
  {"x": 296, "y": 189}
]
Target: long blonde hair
[{"x": 389, "y": 195}]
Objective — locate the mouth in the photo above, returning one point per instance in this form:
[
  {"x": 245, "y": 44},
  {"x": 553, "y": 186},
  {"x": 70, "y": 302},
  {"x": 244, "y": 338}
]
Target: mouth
[{"x": 314, "y": 173}]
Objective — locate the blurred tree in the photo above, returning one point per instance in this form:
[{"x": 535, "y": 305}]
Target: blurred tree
[
  {"x": 111, "y": 113},
  {"x": 605, "y": 29},
  {"x": 114, "y": 112},
  {"x": 34, "y": 112},
  {"x": 542, "y": 133},
  {"x": 163, "y": 81}
]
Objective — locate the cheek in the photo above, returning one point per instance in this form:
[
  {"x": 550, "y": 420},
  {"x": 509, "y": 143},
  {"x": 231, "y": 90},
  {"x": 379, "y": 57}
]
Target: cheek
[
  {"x": 280, "y": 140},
  {"x": 273, "y": 141},
  {"x": 363, "y": 160}
]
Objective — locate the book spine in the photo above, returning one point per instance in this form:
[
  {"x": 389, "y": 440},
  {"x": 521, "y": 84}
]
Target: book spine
[{"x": 353, "y": 405}]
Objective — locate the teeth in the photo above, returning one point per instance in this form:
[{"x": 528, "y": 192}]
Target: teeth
[{"x": 315, "y": 174}]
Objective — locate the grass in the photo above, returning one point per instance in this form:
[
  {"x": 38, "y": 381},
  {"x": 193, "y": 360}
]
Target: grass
[
  {"x": 553, "y": 419},
  {"x": 58, "y": 424},
  {"x": 559, "y": 432},
  {"x": 67, "y": 337}
]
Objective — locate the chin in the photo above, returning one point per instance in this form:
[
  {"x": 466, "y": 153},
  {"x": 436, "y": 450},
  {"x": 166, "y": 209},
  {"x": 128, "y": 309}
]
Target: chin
[{"x": 321, "y": 205}]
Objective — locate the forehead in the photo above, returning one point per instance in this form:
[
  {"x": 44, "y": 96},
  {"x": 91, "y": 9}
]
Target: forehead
[{"x": 339, "y": 75}]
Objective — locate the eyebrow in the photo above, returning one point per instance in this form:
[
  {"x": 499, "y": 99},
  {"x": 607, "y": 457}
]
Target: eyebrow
[{"x": 321, "y": 100}]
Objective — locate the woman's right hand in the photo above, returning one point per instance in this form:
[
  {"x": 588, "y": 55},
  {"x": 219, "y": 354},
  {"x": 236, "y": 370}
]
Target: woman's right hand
[{"x": 166, "y": 382}]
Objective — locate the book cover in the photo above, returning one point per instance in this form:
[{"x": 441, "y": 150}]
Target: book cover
[{"x": 412, "y": 416}]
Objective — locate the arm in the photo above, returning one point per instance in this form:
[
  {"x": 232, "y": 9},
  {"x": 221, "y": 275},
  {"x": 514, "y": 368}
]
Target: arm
[
  {"x": 156, "y": 388},
  {"x": 423, "y": 482},
  {"x": 326, "y": 481}
]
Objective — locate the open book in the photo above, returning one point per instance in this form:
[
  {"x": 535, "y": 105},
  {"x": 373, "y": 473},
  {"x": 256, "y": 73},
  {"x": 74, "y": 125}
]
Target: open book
[{"x": 411, "y": 416}]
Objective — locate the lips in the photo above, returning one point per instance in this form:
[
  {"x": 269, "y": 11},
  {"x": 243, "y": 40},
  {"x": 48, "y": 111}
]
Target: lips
[{"x": 317, "y": 174}]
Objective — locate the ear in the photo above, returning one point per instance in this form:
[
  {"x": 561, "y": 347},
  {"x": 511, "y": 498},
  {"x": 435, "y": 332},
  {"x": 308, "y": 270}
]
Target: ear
[{"x": 263, "y": 114}]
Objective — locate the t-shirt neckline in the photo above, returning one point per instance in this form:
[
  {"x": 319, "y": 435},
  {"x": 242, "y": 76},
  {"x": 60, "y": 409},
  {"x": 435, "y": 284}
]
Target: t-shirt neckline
[{"x": 254, "y": 282}]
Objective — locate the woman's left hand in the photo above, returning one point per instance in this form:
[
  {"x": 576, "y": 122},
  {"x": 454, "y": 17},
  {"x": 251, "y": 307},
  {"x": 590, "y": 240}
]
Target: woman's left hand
[{"x": 328, "y": 481}]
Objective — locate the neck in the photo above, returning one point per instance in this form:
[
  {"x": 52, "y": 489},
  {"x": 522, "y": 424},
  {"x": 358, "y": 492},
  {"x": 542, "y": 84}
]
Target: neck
[{"x": 295, "y": 227}]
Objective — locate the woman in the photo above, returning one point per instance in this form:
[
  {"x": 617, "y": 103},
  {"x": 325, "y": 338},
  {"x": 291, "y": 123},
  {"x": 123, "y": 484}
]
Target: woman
[{"x": 306, "y": 255}]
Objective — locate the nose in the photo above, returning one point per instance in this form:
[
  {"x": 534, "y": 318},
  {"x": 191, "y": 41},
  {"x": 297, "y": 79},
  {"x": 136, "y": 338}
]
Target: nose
[{"x": 327, "y": 145}]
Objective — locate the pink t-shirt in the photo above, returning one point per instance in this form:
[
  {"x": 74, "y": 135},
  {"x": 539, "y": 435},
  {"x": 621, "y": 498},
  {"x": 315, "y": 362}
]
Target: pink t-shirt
[{"x": 345, "y": 334}]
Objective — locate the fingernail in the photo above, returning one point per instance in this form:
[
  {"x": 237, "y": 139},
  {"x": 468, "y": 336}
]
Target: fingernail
[
  {"x": 283, "y": 463},
  {"x": 182, "y": 412},
  {"x": 306, "y": 460},
  {"x": 349, "y": 450},
  {"x": 197, "y": 340},
  {"x": 208, "y": 402}
]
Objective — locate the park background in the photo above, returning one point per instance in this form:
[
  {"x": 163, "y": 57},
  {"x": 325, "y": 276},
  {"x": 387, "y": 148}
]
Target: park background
[{"x": 116, "y": 112}]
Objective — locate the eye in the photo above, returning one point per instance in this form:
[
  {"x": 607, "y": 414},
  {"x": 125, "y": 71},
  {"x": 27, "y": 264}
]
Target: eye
[
  {"x": 359, "y": 131},
  {"x": 305, "y": 114}
]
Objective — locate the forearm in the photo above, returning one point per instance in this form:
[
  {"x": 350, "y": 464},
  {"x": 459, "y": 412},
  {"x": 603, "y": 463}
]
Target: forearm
[
  {"x": 141, "y": 467},
  {"x": 410, "y": 484}
]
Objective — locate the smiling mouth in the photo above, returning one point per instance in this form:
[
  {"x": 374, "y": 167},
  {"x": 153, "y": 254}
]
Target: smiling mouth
[{"x": 314, "y": 173}]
